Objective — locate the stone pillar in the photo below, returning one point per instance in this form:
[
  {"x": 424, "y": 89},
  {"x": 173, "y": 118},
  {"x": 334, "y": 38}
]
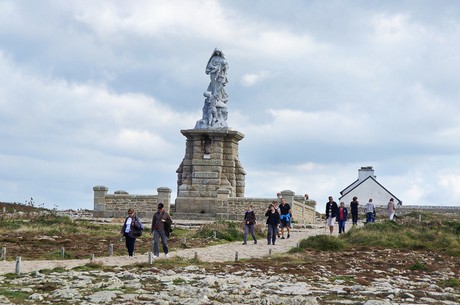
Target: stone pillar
[
  {"x": 288, "y": 196},
  {"x": 164, "y": 196},
  {"x": 100, "y": 192},
  {"x": 211, "y": 163}
]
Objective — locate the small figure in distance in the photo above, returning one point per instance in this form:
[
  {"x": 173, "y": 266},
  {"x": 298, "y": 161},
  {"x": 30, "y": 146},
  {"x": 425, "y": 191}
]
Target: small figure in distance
[
  {"x": 391, "y": 208},
  {"x": 354, "y": 205},
  {"x": 285, "y": 217},
  {"x": 342, "y": 215},
  {"x": 249, "y": 223},
  {"x": 331, "y": 213},
  {"x": 131, "y": 229},
  {"x": 273, "y": 220},
  {"x": 370, "y": 211}
]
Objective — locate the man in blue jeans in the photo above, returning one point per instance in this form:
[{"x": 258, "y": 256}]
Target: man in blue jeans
[{"x": 158, "y": 229}]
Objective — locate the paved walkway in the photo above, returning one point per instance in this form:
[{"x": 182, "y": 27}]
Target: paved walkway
[{"x": 217, "y": 253}]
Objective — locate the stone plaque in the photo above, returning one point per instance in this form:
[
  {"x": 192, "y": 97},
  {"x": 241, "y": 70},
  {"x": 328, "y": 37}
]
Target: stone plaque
[{"x": 210, "y": 175}]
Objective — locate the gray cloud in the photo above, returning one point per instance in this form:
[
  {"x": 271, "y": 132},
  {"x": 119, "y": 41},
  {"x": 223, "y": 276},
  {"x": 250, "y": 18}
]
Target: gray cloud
[{"x": 97, "y": 92}]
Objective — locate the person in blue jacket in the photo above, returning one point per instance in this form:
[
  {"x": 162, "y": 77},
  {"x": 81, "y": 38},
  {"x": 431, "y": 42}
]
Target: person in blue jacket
[{"x": 341, "y": 217}]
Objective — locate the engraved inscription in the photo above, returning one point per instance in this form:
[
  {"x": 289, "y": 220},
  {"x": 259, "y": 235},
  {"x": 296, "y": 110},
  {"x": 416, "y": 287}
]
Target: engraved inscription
[{"x": 211, "y": 175}]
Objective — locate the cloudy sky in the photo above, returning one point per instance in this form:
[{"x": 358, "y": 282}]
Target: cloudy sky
[{"x": 96, "y": 93}]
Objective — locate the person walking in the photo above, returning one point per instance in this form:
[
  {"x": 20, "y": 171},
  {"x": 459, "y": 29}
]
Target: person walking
[
  {"x": 249, "y": 223},
  {"x": 285, "y": 218},
  {"x": 131, "y": 229},
  {"x": 273, "y": 220},
  {"x": 391, "y": 208},
  {"x": 275, "y": 205},
  {"x": 331, "y": 213},
  {"x": 342, "y": 215},
  {"x": 370, "y": 211},
  {"x": 160, "y": 218},
  {"x": 354, "y": 206}
]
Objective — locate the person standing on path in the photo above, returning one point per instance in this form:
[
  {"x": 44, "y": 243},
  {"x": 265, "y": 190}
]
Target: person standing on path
[
  {"x": 331, "y": 213},
  {"x": 370, "y": 211},
  {"x": 391, "y": 208},
  {"x": 285, "y": 217},
  {"x": 354, "y": 205},
  {"x": 131, "y": 229},
  {"x": 342, "y": 215},
  {"x": 273, "y": 220},
  {"x": 249, "y": 223},
  {"x": 158, "y": 230}
]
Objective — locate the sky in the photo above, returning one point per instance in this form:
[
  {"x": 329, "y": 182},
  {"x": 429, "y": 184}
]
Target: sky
[{"x": 96, "y": 93}]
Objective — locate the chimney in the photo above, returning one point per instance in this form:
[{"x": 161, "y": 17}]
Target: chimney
[{"x": 364, "y": 172}]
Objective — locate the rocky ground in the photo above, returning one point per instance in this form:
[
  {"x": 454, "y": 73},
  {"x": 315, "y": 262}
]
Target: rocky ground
[{"x": 259, "y": 276}]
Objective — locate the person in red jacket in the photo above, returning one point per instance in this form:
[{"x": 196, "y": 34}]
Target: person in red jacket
[{"x": 341, "y": 218}]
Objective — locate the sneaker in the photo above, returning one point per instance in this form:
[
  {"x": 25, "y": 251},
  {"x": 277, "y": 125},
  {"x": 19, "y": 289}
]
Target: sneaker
[
  {"x": 282, "y": 237},
  {"x": 244, "y": 243},
  {"x": 166, "y": 255},
  {"x": 289, "y": 235},
  {"x": 156, "y": 256},
  {"x": 268, "y": 243},
  {"x": 255, "y": 242}
]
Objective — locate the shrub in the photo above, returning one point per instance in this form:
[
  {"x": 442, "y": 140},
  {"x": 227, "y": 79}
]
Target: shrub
[{"x": 322, "y": 243}]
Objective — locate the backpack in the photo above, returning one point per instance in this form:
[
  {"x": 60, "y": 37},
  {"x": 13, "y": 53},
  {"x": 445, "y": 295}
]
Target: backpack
[{"x": 137, "y": 228}]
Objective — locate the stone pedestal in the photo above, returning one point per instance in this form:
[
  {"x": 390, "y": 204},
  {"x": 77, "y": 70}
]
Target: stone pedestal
[{"x": 210, "y": 164}]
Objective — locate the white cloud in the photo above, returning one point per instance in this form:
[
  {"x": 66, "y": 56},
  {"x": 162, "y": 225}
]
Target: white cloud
[{"x": 250, "y": 79}]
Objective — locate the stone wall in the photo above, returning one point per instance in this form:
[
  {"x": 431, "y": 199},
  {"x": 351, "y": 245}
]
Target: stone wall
[
  {"x": 233, "y": 208},
  {"x": 117, "y": 204}
]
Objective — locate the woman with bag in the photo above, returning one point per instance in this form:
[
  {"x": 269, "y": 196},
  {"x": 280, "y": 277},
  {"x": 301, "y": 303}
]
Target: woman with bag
[{"x": 131, "y": 229}]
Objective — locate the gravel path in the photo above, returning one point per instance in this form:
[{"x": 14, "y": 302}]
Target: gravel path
[{"x": 217, "y": 253}]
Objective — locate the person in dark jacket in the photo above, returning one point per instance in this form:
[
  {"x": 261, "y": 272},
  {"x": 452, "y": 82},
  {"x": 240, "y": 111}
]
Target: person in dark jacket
[
  {"x": 331, "y": 213},
  {"x": 354, "y": 205},
  {"x": 249, "y": 223},
  {"x": 341, "y": 218},
  {"x": 158, "y": 230},
  {"x": 273, "y": 220},
  {"x": 130, "y": 230}
]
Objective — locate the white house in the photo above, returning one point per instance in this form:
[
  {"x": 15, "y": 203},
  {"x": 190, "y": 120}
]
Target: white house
[{"x": 365, "y": 187}]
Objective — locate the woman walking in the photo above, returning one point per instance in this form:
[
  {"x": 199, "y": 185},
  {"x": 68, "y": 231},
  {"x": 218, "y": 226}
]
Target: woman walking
[
  {"x": 273, "y": 220},
  {"x": 131, "y": 229}
]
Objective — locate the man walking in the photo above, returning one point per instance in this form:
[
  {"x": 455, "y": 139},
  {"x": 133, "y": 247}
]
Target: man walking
[
  {"x": 331, "y": 213},
  {"x": 285, "y": 217},
  {"x": 160, "y": 218}
]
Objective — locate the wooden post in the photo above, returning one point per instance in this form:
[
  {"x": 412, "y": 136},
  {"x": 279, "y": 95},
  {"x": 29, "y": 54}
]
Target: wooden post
[
  {"x": 236, "y": 256},
  {"x": 4, "y": 253},
  {"x": 150, "y": 258},
  {"x": 62, "y": 252},
  {"x": 110, "y": 249},
  {"x": 269, "y": 251},
  {"x": 214, "y": 235},
  {"x": 184, "y": 241},
  {"x": 91, "y": 258},
  {"x": 420, "y": 217},
  {"x": 4, "y": 210},
  {"x": 18, "y": 265},
  {"x": 196, "y": 255}
]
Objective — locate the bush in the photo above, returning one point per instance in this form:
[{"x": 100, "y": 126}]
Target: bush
[{"x": 322, "y": 243}]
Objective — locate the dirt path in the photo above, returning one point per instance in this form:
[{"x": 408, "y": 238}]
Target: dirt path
[{"x": 218, "y": 253}]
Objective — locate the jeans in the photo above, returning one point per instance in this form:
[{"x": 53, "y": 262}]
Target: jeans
[
  {"x": 249, "y": 229},
  {"x": 341, "y": 226},
  {"x": 370, "y": 217},
  {"x": 130, "y": 244},
  {"x": 272, "y": 232},
  {"x": 157, "y": 235}
]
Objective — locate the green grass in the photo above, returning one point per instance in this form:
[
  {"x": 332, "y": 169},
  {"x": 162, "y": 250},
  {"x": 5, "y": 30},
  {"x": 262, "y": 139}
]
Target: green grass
[{"x": 434, "y": 234}]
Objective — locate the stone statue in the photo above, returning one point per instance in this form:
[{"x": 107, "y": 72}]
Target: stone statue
[{"x": 215, "y": 104}]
